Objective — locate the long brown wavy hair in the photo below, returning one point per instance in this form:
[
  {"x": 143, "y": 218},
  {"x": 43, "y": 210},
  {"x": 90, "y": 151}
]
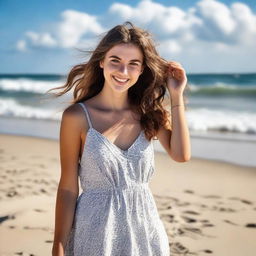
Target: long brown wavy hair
[{"x": 146, "y": 97}]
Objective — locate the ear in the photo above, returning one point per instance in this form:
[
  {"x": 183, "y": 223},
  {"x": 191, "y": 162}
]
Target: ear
[{"x": 101, "y": 63}]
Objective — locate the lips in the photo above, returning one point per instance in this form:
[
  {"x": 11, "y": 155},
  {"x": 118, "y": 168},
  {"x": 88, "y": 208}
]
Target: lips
[{"x": 120, "y": 80}]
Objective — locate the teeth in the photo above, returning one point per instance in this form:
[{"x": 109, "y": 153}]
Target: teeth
[{"x": 121, "y": 80}]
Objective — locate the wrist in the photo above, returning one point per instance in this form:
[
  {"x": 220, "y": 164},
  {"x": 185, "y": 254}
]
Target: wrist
[{"x": 177, "y": 100}]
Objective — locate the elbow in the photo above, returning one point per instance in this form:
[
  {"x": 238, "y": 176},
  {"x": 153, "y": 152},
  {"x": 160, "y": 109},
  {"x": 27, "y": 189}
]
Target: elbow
[
  {"x": 181, "y": 158},
  {"x": 186, "y": 158}
]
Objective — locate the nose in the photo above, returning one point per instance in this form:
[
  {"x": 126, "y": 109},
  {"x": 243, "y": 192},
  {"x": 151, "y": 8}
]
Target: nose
[{"x": 123, "y": 69}]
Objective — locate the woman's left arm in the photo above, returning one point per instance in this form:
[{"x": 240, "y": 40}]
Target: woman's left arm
[{"x": 177, "y": 141}]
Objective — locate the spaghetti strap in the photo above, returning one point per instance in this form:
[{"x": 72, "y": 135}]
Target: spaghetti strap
[{"x": 87, "y": 113}]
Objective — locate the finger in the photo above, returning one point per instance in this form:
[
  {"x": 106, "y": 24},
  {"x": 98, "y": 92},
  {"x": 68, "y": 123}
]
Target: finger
[
  {"x": 177, "y": 74},
  {"x": 175, "y": 64},
  {"x": 176, "y": 67}
]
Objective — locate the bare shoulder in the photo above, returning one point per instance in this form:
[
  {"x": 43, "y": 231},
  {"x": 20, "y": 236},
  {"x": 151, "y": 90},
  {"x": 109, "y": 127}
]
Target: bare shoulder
[
  {"x": 72, "y": 111},
  {"x": 74, "y": 115}
]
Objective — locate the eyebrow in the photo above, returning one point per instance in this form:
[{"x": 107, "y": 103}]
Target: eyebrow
[{"x": 116, "y": 57}]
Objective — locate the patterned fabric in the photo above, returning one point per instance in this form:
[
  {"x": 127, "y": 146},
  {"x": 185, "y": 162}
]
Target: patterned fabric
[{"x": 116, "y": 214}]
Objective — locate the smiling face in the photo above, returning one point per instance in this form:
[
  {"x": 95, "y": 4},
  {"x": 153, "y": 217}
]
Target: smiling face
[{"x": 122, "y": 66}]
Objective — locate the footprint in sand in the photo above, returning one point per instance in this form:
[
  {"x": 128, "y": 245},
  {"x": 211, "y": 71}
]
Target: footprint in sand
[
  {"x": 168, "y": 217},
  {"x": 12, "y": 193},
  {"x": 189, "y": 220},
  {"x": 183, "y": 204},
  {"x": 203, "y": 206},
  {"x": 189, "y": 232},
  {"x": 178, "y": 248},
  {"x": 189, "y": 191},
  {"x": 191, "y": 212},
  {"x": 207, "y": 251},
  {"x": 250, "y": 225},
  {"x": 230, "y": 222},
  {"x": 204, "y": 221},
  {"x": 208, "y": 225},
  {"x": 39, "y": 210},
  {"x": 24, "y": 254},
  {"x": 222, "y": 209},
  {"x": 241, "y": 200},
  {"x": 43, "y": 190},
  {"x": 6, "y": 217},
  {"x": 246, "y": 201},
  {"x": 44, "y": 181},
  {"x": 211, "y": 196},
  {"x": 14, "y": 171}
]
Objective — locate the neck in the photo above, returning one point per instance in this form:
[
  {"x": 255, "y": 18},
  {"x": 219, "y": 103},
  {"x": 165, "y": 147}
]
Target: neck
[{"x": 112, "y": 100}]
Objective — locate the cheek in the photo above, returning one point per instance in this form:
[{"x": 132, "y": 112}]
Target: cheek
[
  {"x": 111, "y": 67},
  {"x": 136, "y": 74},
  {"x": 108, "y": 68}
]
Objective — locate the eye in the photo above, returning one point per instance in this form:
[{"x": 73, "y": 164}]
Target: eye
[
  {"x": 115, "y": 60},
  {"x": 134, "y": 64}
]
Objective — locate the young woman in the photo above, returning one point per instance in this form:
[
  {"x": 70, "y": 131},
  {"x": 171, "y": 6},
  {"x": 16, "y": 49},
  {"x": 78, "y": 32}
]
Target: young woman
[{"x": 106, "y": 139}]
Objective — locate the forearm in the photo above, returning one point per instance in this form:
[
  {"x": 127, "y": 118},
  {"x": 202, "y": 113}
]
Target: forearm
[
  {"x": 180, "y": 139},
  {"x": 64, "y": 214}
]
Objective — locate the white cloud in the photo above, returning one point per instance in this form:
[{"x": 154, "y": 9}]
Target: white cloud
[
  {"x": 170, "y": 47},
  {"x": 67, "y": 33},
  {"x": 21, "y": 45},
  {"x": 74, "y": 25},
  {"x": 208, "y": 20},
  {"x": 245, "y": 31},
  {"x": 122, "y": 10},
  {"x": 43, "y": 39},
  {"x": 161, "y": 19},
  {"x": 208, "y": 28},
  {"x": 217, "y": 18}
]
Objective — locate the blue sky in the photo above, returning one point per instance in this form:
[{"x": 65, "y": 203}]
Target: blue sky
[{"x": 205, "y": 36}]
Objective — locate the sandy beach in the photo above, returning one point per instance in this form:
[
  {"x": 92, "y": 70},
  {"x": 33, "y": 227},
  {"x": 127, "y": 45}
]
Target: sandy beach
[{"x": 207, "y": 207}]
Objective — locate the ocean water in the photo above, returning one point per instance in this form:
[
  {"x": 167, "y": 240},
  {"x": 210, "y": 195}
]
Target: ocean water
[{"x": 216, "y": 102}]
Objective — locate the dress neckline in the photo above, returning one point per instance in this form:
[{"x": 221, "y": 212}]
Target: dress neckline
[{"x": 106, "y": 140}]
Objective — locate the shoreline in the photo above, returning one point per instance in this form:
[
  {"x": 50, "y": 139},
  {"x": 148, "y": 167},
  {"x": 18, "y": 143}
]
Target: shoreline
[
  {"x": 225, "y": 147},
  {"x": 159, "y": 151}
]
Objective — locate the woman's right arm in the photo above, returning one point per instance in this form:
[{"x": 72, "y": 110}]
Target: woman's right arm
[{"x": 68, "y": 189}]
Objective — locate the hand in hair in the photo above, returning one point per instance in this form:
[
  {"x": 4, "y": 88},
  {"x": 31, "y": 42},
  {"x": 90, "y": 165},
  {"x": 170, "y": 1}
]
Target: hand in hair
[{"x": 177, "y": 79}]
